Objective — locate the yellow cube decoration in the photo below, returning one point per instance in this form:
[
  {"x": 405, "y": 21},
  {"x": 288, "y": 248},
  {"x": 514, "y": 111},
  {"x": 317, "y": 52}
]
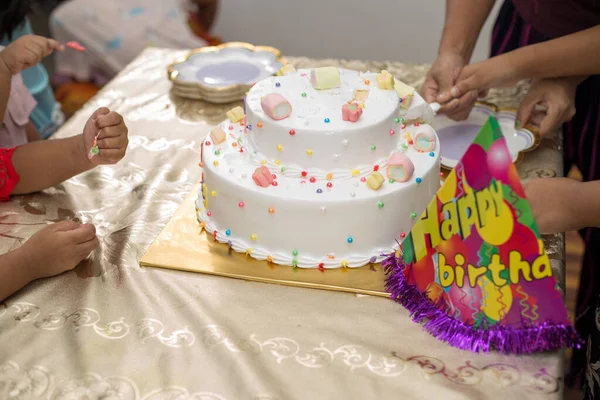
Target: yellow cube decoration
[
  {"x": 286, "y": 69},
  {"x": 236, "y": 114},
  {"x": 375, "y": 180},
  {"x": 385, "y": 80}
]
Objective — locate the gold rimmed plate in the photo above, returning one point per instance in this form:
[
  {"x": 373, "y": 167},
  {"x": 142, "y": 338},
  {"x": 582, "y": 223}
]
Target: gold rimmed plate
[
  {"x": 456, "y": 136},
  {"x": 227, "y": 70}
]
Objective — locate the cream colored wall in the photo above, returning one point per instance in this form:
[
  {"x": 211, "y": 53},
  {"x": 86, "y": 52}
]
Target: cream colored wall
[{"x": 396, "y": 30}]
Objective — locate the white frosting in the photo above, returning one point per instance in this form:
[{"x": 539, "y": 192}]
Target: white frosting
[{"x": 298, "y": 222}]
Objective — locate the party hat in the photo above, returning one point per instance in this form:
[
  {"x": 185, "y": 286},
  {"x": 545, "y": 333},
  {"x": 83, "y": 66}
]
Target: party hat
[{"x": 473, "y": 268}]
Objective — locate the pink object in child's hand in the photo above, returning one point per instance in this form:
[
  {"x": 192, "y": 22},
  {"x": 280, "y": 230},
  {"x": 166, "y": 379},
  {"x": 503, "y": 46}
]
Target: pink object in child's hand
[{"x": 75, "y": 46}]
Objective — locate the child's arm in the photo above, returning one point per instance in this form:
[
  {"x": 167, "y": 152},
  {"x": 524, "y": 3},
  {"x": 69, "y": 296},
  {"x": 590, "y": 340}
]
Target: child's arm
[
  {"x": 571, "y": 55},
  {"x": 32, "y": 133},
  {"x": 563, "y": 204},
  {"x": 41, "y": 165}
]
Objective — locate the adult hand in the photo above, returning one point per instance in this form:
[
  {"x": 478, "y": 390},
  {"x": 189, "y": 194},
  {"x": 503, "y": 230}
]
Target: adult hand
[
  {"x": 440, "y": 79},
  {"x": 556, "y": 96}
]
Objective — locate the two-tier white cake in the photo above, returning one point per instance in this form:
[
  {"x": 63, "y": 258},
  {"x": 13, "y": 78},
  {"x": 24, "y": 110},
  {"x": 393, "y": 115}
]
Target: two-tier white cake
[{"x": 321, "y": 172}]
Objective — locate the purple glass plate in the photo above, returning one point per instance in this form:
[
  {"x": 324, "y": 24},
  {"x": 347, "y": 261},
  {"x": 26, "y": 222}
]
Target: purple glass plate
[{"x": 455, "y": 137}]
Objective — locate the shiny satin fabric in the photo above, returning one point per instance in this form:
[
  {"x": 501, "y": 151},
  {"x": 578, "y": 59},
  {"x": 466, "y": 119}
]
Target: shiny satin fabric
[{"x": 110, "y": 329}]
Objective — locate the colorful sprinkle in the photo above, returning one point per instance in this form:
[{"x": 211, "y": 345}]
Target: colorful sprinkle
[
  {"x": 248, "y": 251},
  {"x": 217, "y": 152},
  {"x": 355, "y": 172},
  {"x": 304, "y": 174},
  {"x": 402, "y": 234},
  {"x": 330, "y": 256},
  {"x": 263, "y": 162},
  {"x": 241, "y": 204},
  {"x": 321, "y": 267},
  {"x": 363, "y": 179},
  {"x": 373, "y": 147},
  {"x": 274, "y": 183},
  {"x": 400, "y": 100},
  {"x": 350, "y": 239},
  {"x": 367, "y": 82},
  {"x": 229, "y": 243},
  {"x": 277, "y": 84},
  {"x": 416, "y": 124},
  {"x": 327, "y": 120},
  {"x": 396, "y": 120},
  {"x": 253, "y": 236},
  {"x": 279, "y": 147},
  {"x": 312, "y": 179},
  {"x": 209, "y": 213},
  {"x": 319, "y": 190},
  {"x": 269, "y": 259},
  {"x": 380, "y": 204},
  {"x": 329, "y": 185},
  {"x": 303, "y": 94},
  {"x": 329, "y": 176},
  {"x": 392, "y": 132},
  {"x": 230, "y": 127},
  {"x": 249, "y": 127},
  {"x": 295, "y": 253},
  {"x": 432, "y": 154},
  {"x": 373, "y": 259},
  {"x": 234, "y": 144},
  {"x": 259, "y": 124},
  {"x": 213, "y": 193},
  {"x": 228, "y": 232},
  {"x": 215, "y": 163},
  {"x": 309, "y": 152},
  {"x": 376, "y": 168},
  {"x": 277, "y": 162},
  {"x": 413, "y": 215},
  {"x": 271, "y": 210},
  {"x": 207, "y": 143},
  {"x": 419, "y": 180},
  {"x": 391, "y": 180},
  {"x": 292, "y": 132},
  {"x": 344, "y": 263}
]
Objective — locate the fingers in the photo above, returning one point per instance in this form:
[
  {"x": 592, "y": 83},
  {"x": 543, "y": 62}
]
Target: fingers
[
  {"x": 83, "y": 233},
  {"x": 552, "y": 121},
  {"x": 64, "y": 226},
  {"x": 108, "y": 118},
  {"x": 85, "y": 248},
  {"x": 116, "y": 142},
  {"x": 429, "y": 90},
  {"x": 525, "y": 110},
  {"x": 100, "y": 112},
  {"x": 459, "y": 109},
  {"x": 109, "y": 156}
]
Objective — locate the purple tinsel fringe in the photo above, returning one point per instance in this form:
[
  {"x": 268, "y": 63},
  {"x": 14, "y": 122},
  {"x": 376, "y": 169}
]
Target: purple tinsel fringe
[{"x": 505, "y": 339}]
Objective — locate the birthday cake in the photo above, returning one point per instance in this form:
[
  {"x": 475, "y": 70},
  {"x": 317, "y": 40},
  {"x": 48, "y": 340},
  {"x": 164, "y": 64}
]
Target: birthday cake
[{"x": 323, "y": 168}]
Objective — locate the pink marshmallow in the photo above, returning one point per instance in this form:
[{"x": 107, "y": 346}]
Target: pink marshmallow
[
  {"x": 351, "y": 112},
  {"x": 276, "y": 106},
  {"x": 262, "y": 176}
]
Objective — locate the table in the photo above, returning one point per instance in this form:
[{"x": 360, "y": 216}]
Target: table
[{"x": 112, "y": 328}]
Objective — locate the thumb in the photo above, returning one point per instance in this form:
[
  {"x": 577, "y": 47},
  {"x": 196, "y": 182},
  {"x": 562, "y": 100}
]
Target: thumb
[
  {"x": 445, "y": 81},
  {"x": 525, "y": 110},
  {"x": 100, "y": 112}
]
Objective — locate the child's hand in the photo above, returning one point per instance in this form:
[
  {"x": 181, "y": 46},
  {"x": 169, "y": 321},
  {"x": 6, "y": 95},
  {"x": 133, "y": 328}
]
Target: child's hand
[
  {"x": 551, "y": 201},
  {"x": 112, "y": 138},
  {"x": 557, "y": 96},
  {"x": 58, "y": 248},
  {"x": 26, "y": 52}
]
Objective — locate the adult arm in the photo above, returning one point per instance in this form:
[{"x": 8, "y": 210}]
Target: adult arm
[
  {"x": 463, "y": 23},
  {"x": 574, "y": 55},
  {"x": 5, "y": 85}
]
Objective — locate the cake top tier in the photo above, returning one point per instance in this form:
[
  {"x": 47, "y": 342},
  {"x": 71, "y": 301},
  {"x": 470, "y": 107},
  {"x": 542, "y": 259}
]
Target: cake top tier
[
  {"x": 321, "y": 110},
  {"x": 333, "y": 119}
]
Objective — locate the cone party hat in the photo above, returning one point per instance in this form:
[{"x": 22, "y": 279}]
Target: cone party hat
[{"x": 474, "y": 269}]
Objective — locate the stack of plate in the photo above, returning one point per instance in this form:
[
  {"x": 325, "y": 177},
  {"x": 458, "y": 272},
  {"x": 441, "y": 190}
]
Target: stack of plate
[{"x": 224, "y": 73}]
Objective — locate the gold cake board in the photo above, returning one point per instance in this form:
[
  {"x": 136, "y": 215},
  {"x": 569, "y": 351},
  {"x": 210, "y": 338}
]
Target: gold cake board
[{"x": 182, "y": 246}]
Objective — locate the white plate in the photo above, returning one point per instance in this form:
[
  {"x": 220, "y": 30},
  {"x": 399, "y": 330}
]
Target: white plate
[
  {"x": 456, "y": 136},
  {"x": 226, "y": 70}
]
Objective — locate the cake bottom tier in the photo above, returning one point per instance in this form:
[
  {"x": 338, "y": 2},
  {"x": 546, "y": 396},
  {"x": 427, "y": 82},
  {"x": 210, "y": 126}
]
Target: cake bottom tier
[{"x": 347, "y": 225}]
